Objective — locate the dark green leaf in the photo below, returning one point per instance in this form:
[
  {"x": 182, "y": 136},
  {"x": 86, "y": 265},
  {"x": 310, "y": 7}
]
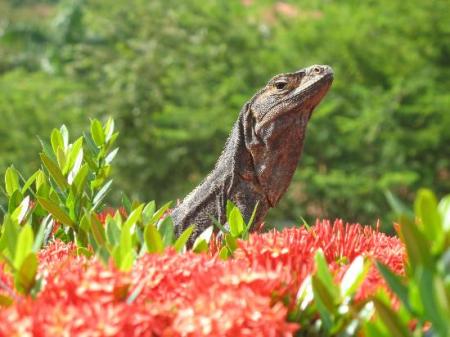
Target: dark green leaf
[
  {"x": 395, "y": 284},
  {"x": 58, "y": 213},
  {"x": 98, "y": 231},
  {"x": 166, "y": 229},
  {"x": 391, "y": 320},
  {"x": 324, "y": 274},
  {"x": 322, "y": 292},
  {"x": 54, "y": 171},
  {"x": 417, "y": 248}
]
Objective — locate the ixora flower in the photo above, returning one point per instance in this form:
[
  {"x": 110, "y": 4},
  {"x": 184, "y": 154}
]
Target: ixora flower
[{"x": 191, "y": 294}]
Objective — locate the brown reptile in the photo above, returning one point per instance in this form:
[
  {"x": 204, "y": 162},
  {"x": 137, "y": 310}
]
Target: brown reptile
[{"x": 261, "y": 153}]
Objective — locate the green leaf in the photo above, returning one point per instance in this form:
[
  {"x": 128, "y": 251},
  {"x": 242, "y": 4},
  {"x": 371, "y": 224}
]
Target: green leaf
[
  {"x": 26, "y": 276},
  {"x": 101, "y": 194},
  {"x": 112, "y": 231},
  {"x": 444, "y": 209},
  {"x": 153, "y": 239},
  {"x": 97, "y": 132},
  {"x": 416, "y": 245},
  {"x": 200, "y": 246},
  {"x": 324, "y": 274},
  {"x": 148, "y": 212},
  {"x": 354, "y": 276},
  {"x": 395, "y": 284},
  {"x": 236, "y": 222},
  {"x": 30, "y": 181},
  {"x": 80, "y": 179},
  {"x": 44, "y": 228},
  {"x": 74, "y": 155},
  {"x": 5, "y": 301},
  {"x": 426, "y": 209},
  {"x": 134, "y": 216},
  {"x": 11, "y": 181},
  {"x": 10, "y": 236},
  {"x": 24, "y": 245},
  {"x": 231, "y": 242},
  {"x": 252, "y": 218},
  {"x": 433, "y": 312},
  {"x": 56, "y": 140},
  {"x": 126, "y": 203},
  {"x": 322, "y": 292},
  {"x": 57, "y": 212},
  {"x": 180, "y": 243},
  {"x": 224, "y": 253},
  {"x": 21, "y": 211},
  {"x": 84, "y": 251},
  {"x": 14, "y": 201},
  {"x": 229, "y": 207},
  {"x": 166, "y": 229},
  {"x": 109, "y": 129},
  {"x": 98, "y": 231},
  {"x": 54, "y": 171},
  {"x": 160, "y": 212},
  {"x": 110, "y": 157},
  {"x": 65, "y": 135},
  {"x": 390, "y": 319}
]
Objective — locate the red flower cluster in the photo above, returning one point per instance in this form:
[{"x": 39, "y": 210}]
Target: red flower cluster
[{"x": 190, "y": 294}]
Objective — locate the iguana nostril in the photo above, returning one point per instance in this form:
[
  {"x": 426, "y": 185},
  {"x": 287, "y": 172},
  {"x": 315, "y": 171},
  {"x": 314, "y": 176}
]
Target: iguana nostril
[{"x": 317, "y": 70}]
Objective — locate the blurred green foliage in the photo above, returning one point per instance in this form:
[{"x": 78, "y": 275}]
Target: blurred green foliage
[{"x": 175, "y": 74}]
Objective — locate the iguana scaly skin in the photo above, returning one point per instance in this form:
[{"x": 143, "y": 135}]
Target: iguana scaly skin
[{"x": 261, "y": 154}]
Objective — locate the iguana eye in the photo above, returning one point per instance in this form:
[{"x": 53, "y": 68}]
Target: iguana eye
[{"x": 281, "y": 84}]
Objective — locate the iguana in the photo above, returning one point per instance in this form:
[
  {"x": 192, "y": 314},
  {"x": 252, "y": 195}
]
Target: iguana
[{"x": 261, "y": 153}]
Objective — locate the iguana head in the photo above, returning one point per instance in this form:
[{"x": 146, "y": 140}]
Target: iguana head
[
  {"x": 274, "y": 124},
  {"x": 298, "y": 92}
]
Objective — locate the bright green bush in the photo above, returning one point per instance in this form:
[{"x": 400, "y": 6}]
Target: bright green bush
[{"x": 174, "y": 75}]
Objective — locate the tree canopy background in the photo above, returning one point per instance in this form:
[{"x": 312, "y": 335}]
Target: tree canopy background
[{"x": 174, "y": 75}]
